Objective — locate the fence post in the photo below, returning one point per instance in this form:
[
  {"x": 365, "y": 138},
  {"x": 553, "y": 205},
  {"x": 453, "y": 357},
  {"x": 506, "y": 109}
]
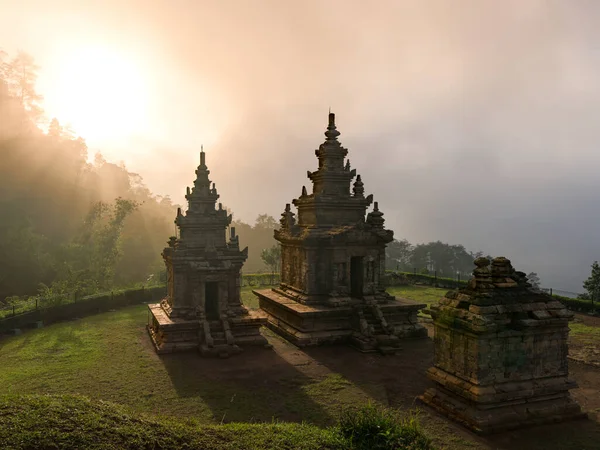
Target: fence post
[{"x": 550, "y": 291}]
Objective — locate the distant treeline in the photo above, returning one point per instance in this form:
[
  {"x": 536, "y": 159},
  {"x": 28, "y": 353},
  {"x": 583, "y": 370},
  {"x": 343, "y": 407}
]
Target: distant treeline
[{"x": 445, "y": 260}]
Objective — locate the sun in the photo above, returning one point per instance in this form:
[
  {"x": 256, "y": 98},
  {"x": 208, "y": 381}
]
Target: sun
[{"x": 101, "y": 93}]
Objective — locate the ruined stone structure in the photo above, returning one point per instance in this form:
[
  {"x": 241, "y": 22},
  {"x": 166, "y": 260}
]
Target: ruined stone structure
[
  {"x": 203, "y": 307},
  {"x": 333, "y": 263},
  {"x": 501, "y": 353}
]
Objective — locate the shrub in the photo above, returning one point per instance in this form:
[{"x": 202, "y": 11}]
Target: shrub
[{"x": 376, "y": 428}]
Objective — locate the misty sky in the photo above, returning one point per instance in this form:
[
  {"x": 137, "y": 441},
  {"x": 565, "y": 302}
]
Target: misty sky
[{"x": 471, "y": 121}]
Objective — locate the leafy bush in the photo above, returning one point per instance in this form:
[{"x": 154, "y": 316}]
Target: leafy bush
[{"x": 376, "y": 428}]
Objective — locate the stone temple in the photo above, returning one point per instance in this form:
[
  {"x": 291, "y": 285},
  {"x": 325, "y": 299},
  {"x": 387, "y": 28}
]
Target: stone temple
[
  {"x": 333, "y": 264},
  {"x": 501, "y": 353},
  {"x": 203, "y": 309}
]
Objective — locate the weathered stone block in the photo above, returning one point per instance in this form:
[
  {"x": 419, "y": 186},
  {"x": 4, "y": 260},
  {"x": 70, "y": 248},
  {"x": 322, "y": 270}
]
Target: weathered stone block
[{"x": 502, "y": 365}]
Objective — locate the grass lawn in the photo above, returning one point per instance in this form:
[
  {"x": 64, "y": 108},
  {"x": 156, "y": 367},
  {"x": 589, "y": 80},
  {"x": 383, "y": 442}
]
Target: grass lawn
[
  {"x": 420, "y": 294},
  {"x": 108, "y": 357}
]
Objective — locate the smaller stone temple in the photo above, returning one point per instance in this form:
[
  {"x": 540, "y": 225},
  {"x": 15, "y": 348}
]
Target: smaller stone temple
[
  {"x": 203, "y": 308},
  {"x": 501, "y": 353},
  {"x": 333, "y": 264}
]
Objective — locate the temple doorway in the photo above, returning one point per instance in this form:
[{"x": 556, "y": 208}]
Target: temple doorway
[
  {"x": 211, "y": 300},
  {"x": 356, "y": 276}
]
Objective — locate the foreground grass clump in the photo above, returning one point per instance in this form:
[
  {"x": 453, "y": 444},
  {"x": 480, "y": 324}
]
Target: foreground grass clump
[
  {"x": 377, "y": 428},
  {"x": 76, "y": 422}
]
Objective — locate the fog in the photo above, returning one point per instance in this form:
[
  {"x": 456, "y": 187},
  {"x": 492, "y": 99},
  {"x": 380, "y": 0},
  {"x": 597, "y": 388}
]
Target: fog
[{"x": 471, "y": 121}]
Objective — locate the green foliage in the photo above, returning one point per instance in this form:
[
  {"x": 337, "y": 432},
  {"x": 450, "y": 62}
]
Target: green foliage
[
  {"x": 592, "y": 284},
  {"x": 71, "y": 225},
  {"x": 256, "y": 238},
  {"x": 577, "y": 304},
  {"x": 398, "y": 255},
  {"x": 376, "y": 428},
  {"x": 272, "y": 257},
  {"x": 445, "y": 259},
  {"x": 76, "y": 422}
]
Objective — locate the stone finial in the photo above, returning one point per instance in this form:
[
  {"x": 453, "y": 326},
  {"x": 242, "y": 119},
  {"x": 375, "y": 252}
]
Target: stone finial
[
  {"x": 304, "y": 193},
  {"x": 202, "y": 156},
  {"x": 332, "y": 133},
  {"x": 375, "y": 217},
  {"x": 358, "y": 188},
  {"x": 287, "y": 220},
  {"x": 347, "y": 167},
  {"x": 178, "y": 212},
  {"x": 220, "y": 206},
  {"x": 187, "y": 190},
  {"x": 502, "y": 272},
  {"x": 481, "y": 274}
]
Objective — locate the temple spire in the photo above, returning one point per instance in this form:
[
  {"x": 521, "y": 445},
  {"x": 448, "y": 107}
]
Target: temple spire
[
  {"x": 202, "y": 156},
  {"x": 332, "y": 133}
]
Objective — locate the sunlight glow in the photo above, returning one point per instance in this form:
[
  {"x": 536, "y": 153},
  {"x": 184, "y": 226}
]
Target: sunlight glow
[{"x": 100, "y": 93}]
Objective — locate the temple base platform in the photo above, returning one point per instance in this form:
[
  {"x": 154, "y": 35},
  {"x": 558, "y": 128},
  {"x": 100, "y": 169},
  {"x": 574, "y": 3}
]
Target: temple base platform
[
  {"x": 503, "y": 407},
  {"x": 366, "y": 327},
  {"x": 212, "y": 338}
]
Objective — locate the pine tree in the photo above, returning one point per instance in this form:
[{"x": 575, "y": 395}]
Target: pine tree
[{"x": 592, "y": 284}]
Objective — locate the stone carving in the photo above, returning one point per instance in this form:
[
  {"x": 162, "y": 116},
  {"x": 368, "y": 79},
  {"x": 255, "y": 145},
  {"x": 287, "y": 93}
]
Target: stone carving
[
  {"x": 203, "y": 307},
  {"x": 501, "y": 353},
  {"x": 332, "y": 257}
]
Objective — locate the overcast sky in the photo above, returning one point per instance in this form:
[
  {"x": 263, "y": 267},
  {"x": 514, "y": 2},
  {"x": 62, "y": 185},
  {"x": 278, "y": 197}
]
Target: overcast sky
[{"x": 471, "y": 121}]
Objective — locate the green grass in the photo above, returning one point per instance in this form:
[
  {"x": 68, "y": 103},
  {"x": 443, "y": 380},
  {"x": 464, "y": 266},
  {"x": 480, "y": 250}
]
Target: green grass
[
  {"x": 75, "y": 422},
  {"x": 248, "y": 298},
  {"x": 108, "y": 356},
  {"x": 420, "y": 294},
  {"x": 375, "y": 428},
  {"x": 584, "y": 331}
]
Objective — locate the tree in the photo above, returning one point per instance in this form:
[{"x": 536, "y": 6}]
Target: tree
[
  {"x": 20, "y": 74},
  {"x": 534, "y": 280},
  {"x": 266, "y": 222},
  {"x": 272, "y": 258},
  {"x": 592, "y": 284},
  {"x": 398, "y": 254}
]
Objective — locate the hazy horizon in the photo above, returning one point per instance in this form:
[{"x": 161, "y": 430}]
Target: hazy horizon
[{"x": 471, "y": 122}]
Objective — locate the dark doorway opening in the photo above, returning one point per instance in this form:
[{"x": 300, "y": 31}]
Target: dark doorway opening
[
  {"x": 356, "y": 276},
  {"x": 211, "y": 300}
]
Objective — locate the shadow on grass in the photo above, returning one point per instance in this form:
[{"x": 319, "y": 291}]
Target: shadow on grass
[
  {"x": 395, "y": 380},
  {"x": 403, "y": 378},
  {"x": 257, "y": 385}
]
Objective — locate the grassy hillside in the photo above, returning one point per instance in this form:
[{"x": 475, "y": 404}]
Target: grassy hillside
[{"x": 75, "y": 422}]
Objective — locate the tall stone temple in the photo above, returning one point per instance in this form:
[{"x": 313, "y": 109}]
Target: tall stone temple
[
  {"x": 203, "y": 308},
  {"x": 333, "y": 263}
]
